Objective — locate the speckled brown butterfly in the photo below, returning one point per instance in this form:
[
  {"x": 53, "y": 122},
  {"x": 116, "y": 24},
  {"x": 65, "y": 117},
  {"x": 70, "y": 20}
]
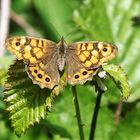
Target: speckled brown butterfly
[{"x": 44, "y": 59}]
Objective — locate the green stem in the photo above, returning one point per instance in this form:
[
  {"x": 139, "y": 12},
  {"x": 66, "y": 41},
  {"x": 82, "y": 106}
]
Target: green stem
[
  {"x": 95, "y": 115},
  {"x": 100, "y": 89},
  {"x": 78, "y": 116}
]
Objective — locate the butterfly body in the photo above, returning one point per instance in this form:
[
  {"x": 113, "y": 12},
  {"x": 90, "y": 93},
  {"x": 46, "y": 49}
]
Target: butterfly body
[
  {"x": 61, "y": 49},
  {"x": 44, "y": 59}
]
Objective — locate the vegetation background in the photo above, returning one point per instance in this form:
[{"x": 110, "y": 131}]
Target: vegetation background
[{"x": 113, "y": 21}]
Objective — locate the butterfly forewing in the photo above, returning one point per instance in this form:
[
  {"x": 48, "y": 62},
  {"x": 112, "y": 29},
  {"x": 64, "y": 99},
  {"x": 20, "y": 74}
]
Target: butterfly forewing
[
  {"x": 31, "y": 50},
  {"x": 93, "y": 54}
]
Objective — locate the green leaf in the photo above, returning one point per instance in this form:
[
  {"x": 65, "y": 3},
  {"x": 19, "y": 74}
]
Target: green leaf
[
  {"x": 2, "y": 81},
  {"x": 57, "y": 129},
  {"x": 26, "y": 102},
  {"x": 92, "y": 22},
  {"x": 5, "y": 61},
  {"x": 21, "y": 6},
  {"x": 2, "y": 76},
  {"x": 120, "y": 78}
]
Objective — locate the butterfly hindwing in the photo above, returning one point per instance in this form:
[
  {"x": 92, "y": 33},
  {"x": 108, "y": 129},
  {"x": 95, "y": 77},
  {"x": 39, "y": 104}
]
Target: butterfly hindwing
[
  {"x": 76, "y": 72},
  {"x": 45, "y": 75}
]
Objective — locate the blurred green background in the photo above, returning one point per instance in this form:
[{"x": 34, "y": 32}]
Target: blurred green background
[{"x": 114, "y": 21}]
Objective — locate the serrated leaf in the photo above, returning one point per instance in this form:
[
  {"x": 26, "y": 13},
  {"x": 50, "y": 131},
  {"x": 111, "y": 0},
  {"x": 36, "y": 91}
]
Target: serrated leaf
[
  {"x": 120, "y": 78},
  {"x": 26, "y": 102},
  {"x": 93, "y": 23},
  {"x": 2, "y": 76}
]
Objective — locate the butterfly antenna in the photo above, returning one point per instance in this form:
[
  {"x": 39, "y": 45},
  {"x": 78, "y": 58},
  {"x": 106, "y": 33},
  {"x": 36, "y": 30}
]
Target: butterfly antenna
[
  {"x": 54, "y": 28},
  {"x": 70, "y": 33}
]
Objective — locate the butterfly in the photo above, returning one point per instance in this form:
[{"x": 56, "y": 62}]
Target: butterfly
[{"x": 45, "y": 60}]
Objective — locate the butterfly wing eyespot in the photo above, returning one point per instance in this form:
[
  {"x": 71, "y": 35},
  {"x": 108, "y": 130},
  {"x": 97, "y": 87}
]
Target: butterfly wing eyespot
[
  {"x": 84, "y": 72},
  {"x": 76, "y": 76},
  {"x": 17, "y": 43},
  {"x": 39, "y": 75},
  {"x": 35, "y": 71},
  {"x": 47, "y": 79},
  {"x": 105, "y": 49}
]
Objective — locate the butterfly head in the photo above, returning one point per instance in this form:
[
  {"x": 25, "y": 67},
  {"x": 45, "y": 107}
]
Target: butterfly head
[
  {"x": 62, "y": 42},
  {"x": 62, "y": 39},
  {"x": 62, "y": 46}
]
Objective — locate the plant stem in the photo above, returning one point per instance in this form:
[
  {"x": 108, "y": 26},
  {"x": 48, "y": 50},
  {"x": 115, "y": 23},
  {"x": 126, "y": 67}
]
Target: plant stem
[
  {"x": 100, "y": 88},
  {"x": 118, "y": 112},
  {"x": 78, "y": 116},
  {"x": 18, "y": 19},
  {"x": 95, "y": 115}
]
